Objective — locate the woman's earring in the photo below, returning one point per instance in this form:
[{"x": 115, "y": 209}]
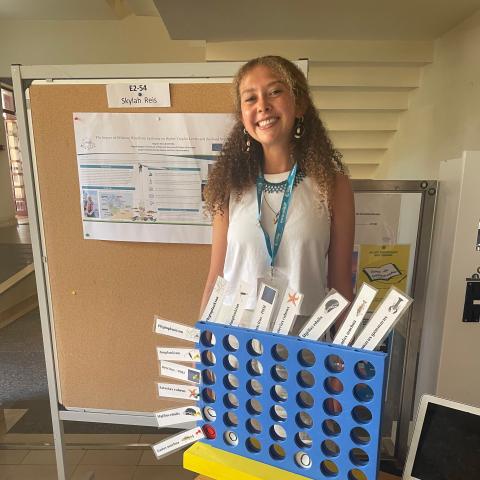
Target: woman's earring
[
  {"x": 299, "y": 128},
  {"x": 246, "y": 137}
]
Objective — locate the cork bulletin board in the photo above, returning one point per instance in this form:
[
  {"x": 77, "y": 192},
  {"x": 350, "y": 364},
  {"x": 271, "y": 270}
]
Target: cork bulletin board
[{"x": 104, "y": 295}]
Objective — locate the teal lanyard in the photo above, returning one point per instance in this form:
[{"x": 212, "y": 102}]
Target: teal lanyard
[{"x": 282, "y": 218}]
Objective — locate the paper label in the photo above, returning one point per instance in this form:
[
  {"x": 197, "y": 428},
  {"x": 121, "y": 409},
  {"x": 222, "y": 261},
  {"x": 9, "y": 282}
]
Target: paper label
[
  {"x": 176, "y": 442},
  {"x": 393, "y": 306},
  {"x": 179, "y": 372},
  {"x": 264, "y": 308},
  {"x": 177, "y": 330},
  {"x": 232, "y": 315},
  {"x": 178, "y": 354},
  {"x": 331, "y": 307},
  {"x": 178, "y": 416},
  {"x": 173, "y": 390},
  {"x": 138, "y": 94},
  {"x": 215, "y": 302},
  {"x": 289, "y": 309},
  {"x": 355, "y": 316}
]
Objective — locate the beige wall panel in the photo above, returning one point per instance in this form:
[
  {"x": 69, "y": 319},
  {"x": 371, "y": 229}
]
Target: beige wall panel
[
  {"x": 362, "y": 171},
  {"x": 130, "y": 40},
  {"x": 443, "y": 117},
  {"x": 360, "y": 120},
  {"x": 361, "y": 139},
  {"x": 345, "y": 99},
  {"x": 420, "y": 52},
  {"x": 363, "y": 76},
  {"x": 360, "y": 156}
]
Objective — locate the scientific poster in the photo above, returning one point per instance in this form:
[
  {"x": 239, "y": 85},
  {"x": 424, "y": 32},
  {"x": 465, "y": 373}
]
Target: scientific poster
[
  {"x": 142, "y": 175},
  {"x": 377, "y": 217},
  {"x": 383, "y": 266}
]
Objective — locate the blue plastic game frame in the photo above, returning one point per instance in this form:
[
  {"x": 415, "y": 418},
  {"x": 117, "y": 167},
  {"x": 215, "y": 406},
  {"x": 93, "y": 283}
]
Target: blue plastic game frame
[{"x": 349, "y": 416}]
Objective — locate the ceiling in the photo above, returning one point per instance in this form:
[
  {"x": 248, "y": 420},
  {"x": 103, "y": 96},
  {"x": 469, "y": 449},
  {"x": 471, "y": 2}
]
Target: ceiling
[
  {"x": 227, "y": 20},
  {"x": 75, "y": 9},
  {"x": 216, "y": 20},
  {"x": 55, "y": 10}
]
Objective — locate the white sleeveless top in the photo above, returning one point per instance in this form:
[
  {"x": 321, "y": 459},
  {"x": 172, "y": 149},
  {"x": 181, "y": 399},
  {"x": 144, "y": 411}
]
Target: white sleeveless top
[{"x": 302, "y": 254}]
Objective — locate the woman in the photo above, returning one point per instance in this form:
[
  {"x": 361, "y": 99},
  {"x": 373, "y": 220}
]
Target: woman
[{"x": 279, "y": 145}]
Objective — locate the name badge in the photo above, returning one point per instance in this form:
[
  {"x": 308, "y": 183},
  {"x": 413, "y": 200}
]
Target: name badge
[{"x": 139, "y": 94}]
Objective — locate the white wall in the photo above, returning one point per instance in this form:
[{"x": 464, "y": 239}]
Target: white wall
[
  {"x": 443, "y": 118},
  {"x": 50, "y": 42},
  {"x": 449, "y": 360},
  {"x": 459, "y": 367},
  {"x": 442, "y": 122},
  {"x": 131, "y": 40}
]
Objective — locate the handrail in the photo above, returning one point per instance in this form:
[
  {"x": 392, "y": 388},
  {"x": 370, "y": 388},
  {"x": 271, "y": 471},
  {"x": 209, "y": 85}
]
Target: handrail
[{"x": 17, "y": 277}]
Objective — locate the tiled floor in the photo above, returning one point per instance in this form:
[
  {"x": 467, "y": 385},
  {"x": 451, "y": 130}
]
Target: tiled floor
[
  {"x": 87, "y": 455},
  {"x": 31, "y": 456}
]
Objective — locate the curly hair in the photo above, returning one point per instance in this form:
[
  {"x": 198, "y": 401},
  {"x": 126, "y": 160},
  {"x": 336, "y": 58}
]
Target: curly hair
[{"x": 236, "y": 169}]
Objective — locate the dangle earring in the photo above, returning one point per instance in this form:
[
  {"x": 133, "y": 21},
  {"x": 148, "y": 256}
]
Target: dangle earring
[
  {"x": 299, "y": 128},
  {"x": 246, "y": 137}
]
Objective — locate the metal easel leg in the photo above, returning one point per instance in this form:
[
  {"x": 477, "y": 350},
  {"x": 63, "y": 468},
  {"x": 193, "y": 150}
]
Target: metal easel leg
[{"x": 40, "y": 263}]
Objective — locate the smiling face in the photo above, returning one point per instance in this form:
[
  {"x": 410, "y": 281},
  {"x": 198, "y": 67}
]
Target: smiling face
[{"x": 268, "y": 108}]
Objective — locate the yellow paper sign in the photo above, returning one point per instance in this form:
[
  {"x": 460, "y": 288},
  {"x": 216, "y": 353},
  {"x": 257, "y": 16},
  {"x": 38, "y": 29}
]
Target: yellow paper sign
[{"x": 383, "y": 266}]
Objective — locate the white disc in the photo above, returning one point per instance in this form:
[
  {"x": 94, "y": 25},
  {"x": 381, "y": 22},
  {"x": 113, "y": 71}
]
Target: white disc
[
  {"x": 210, "y": 414},
  {"x": 231, "y": 438},
  {"x": 303, "y": 460}
]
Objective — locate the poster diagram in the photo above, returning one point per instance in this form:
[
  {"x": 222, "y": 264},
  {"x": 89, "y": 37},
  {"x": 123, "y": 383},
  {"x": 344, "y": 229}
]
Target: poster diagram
[{"x": 142, "y": 175}]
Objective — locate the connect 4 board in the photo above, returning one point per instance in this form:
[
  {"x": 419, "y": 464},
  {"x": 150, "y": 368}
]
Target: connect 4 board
[{"x": 307, "y": 407}]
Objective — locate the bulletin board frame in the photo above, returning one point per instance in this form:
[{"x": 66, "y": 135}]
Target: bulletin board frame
[
  {"x": 85, "y": 75},
  {"x": 23, "y": 77}
]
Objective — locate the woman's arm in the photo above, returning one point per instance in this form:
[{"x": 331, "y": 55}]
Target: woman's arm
[
  {"x": 342, "y": 231},
  {"x": 217, "y": 258}
]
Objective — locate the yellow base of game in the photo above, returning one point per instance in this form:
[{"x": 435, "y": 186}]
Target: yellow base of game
[{"x": 220, "y": 465}]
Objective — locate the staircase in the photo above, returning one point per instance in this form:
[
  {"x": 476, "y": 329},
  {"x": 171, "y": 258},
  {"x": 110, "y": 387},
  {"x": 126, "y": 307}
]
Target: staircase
[
  {"x": 18, "y": 292},
  {"x": 361, "y": 88}
]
